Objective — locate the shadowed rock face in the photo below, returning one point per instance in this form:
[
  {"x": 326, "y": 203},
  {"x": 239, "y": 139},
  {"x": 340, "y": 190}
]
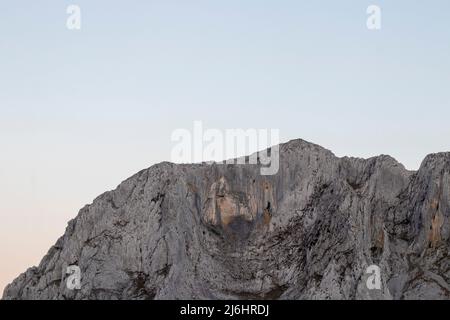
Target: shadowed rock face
[{"x": 227, "y": 232}]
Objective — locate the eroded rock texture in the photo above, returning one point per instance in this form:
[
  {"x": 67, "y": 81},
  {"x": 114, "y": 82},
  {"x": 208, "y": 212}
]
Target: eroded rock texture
[{"x": 227, "y": 232}]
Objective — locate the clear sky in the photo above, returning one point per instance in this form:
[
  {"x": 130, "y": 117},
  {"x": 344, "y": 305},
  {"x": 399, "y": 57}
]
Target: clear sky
[{"x": 80, "y": 111}]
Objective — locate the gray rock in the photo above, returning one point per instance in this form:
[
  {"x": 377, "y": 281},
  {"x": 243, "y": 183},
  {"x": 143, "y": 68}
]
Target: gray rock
[{"x": 200, "y": 231}]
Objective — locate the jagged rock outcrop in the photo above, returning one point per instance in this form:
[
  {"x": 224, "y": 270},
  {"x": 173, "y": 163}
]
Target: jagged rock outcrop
[{"x": 202, "y": 231}]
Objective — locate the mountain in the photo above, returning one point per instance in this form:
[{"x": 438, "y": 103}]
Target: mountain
[{"x": 201, "y": 231}]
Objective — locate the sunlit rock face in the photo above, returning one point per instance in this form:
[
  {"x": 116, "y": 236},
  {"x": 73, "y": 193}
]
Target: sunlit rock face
[{"x": 227, "y": 232}]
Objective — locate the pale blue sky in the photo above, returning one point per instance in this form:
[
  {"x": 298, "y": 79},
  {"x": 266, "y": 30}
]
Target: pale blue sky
[{"x": 81, "y": 111}]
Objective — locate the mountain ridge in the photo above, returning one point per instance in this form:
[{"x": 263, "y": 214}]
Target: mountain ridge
[{"x": 199, "y": 231}]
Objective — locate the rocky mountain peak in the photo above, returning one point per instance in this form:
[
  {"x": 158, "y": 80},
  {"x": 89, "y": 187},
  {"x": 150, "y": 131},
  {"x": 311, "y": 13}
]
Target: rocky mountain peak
[{"x": 200, "y": 231}]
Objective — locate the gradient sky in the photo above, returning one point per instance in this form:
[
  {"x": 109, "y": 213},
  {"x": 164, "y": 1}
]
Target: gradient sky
[{"x": 80, "y": 111}]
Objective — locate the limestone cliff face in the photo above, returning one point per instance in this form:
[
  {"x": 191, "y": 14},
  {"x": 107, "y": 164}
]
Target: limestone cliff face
[{"x": 226, "y": 232}]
